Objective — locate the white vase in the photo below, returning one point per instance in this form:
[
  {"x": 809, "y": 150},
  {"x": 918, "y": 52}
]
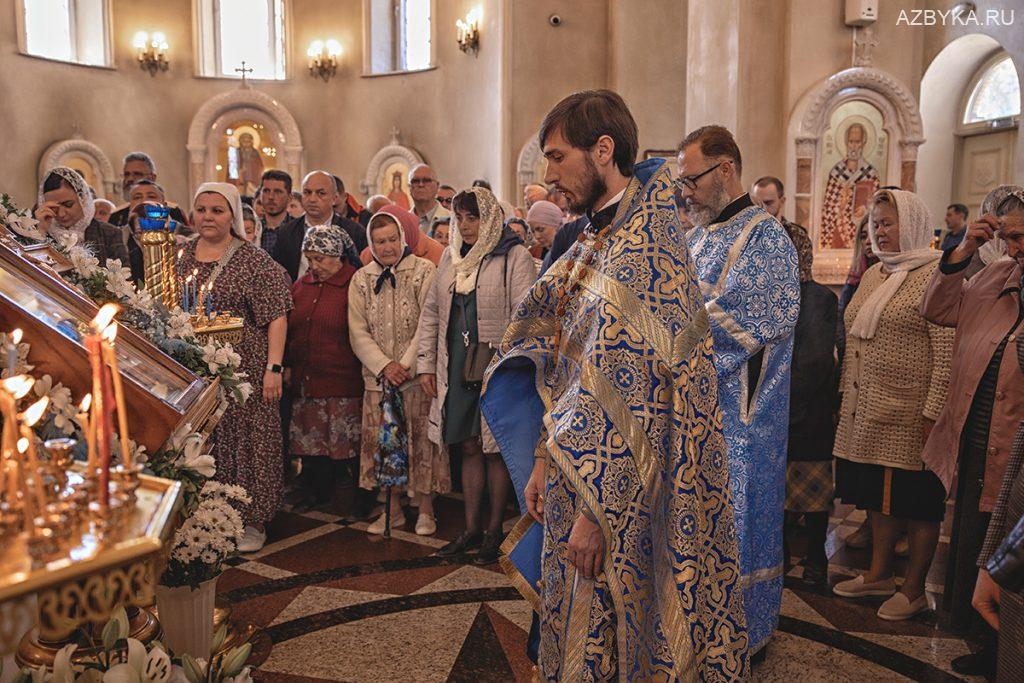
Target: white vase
[{"x": 186, "y": 616}]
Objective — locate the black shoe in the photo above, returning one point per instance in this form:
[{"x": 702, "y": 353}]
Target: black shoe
[
  {"x": 981, "y": 663},
  {"x": 490, "y": 548},
  {"x": 465, "y": 542},
  {"x": 816, "y": 574}
]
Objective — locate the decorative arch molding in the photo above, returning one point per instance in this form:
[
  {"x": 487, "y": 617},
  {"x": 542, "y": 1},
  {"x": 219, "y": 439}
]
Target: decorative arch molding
[
  {"x": 242, "y": 102},
  {"x": 101, "y": 167},
  {"x": 807, "y": 127},
  {"x": 391, "y": 153},
  {"x": 530, "y": 158}
]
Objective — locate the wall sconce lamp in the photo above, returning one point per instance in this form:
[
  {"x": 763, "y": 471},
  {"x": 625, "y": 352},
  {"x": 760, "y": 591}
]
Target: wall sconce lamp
[
  {"x": 323, "y": 58},
  {"x": 152, "y": 51},
  {"x": 468, "y": 31}
]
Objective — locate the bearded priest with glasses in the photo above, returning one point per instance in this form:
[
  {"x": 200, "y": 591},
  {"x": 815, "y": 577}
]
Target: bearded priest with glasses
[{"x": 747, "y": 267}]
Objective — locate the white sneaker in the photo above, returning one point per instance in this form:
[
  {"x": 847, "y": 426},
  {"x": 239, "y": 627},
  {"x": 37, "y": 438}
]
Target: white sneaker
[
  {"x": 252, "y": 541},
  {"x": 426, "y": 525},
  {"x": 377, "y": 527}
]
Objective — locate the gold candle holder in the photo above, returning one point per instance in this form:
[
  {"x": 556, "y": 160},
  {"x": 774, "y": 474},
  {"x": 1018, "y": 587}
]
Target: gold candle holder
[
  {"x": 126, "y": 478},
  {"x": 59, "y": 462}
]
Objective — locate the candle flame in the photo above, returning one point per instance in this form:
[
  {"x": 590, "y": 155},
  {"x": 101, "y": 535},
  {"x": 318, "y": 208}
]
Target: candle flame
[
  {"x": 35, "y": 411},
  {"x": 195, "y": 271},
  {"x": 105, "y": 315},
  {"x": 110, "y": 333},
  {"x": 188, "y": 279},
  {"x": 22, "y": 445},
  {"x": 16, "y": 336},
  {"x": 18, "y": 385},
  {"x": 181, "y": 252},
  {"x": 85, "y": 404}
]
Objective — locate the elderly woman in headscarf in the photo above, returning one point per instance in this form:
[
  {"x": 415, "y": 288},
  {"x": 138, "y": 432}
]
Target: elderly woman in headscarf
[
  {"x": 973, "y": 437},
  {"x": 66, "y": 206},
  {"x": 545, "y": 220},
  {"x": 252, "y": 223},
  {"x": 385, "y": 301},
  {"x": 245, "y": 281},
  {"x": 420, "y": 244},
  {"x": 895, "y": 376},
  {"x": 483, "y": 275},
  {"x": 324, "y": 376}
]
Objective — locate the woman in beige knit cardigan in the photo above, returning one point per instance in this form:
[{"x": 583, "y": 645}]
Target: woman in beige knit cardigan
[
  {"x": 895, "y": 376},
  {"x": 384, "y": 304}
]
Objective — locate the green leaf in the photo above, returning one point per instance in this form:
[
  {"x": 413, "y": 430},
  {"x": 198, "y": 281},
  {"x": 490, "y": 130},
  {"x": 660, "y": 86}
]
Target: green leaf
[
  {"x": 218, "y": 638},
  {"x": 235, "y": 660},
  {"x": 109, "y": 635},
  {"x": 190, "y": 666}
]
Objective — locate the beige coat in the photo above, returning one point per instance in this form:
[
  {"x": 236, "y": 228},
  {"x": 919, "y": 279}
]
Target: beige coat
[
  {"x": 892, "y": 382},
  {"x": 383, "y": 327},
  {"x": 502, "y": 283}
]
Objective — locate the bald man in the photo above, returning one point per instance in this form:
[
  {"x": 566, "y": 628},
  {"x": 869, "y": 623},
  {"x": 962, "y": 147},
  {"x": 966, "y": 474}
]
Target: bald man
[
  {"x": 376, "y": 203},
  {"x": 319, "y": 193},
  {"x": 423, "y": 187}
]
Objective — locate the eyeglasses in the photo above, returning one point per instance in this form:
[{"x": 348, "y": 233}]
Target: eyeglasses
[
  {"x": 422, "y": 181},
  {"x": 690, "y": 182},
  {"x": 444, "y": 201}
]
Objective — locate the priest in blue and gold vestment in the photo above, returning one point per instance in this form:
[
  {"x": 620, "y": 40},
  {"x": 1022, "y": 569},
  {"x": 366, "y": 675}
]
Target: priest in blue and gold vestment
[
  {"x": 606, "y": 377},
  {"x": 748, "y": 273}
]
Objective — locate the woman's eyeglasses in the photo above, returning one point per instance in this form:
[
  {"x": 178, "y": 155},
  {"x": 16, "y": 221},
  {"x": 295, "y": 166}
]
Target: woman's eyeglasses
[{"x": 690, "y": 182}]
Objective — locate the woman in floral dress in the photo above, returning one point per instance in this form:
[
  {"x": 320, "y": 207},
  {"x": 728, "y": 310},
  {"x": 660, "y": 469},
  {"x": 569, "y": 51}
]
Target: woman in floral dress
[{"x": 249, "y": 284}]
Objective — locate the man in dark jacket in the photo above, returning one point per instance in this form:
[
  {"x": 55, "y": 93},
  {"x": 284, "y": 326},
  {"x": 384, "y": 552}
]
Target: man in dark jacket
[{"x": 319, "y": 193}]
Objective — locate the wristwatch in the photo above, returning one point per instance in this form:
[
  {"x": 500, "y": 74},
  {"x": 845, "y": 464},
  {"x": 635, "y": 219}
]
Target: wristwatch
[{"x": 275, "y": 368}]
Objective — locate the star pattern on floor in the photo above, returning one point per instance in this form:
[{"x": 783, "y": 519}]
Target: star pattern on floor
[{"x": 337, "y": 604}]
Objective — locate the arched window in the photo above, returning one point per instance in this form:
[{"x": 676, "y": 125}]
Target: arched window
[
  {"x": 67, "y": 30},
  {"x": 236, "y": 31},
  {"x": 398, "y": 36},
  {"x": 996, "y": 93}
]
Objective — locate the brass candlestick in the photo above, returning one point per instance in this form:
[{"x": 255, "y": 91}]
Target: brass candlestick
[{"x": 160, "y": 265}]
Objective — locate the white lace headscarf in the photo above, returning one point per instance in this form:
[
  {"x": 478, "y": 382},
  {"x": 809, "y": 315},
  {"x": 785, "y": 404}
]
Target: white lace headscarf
[
  {"x": 491, "y": 226},
  {"x": 995, "y": 250},
  {"x": 230, "y": 193},
  {"x": 915, "y": 251},
  {"x": 85, "y": 199}
]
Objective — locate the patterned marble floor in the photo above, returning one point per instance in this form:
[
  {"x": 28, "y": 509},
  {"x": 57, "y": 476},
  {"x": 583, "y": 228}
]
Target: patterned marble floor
[{"x": 335, "y": 604}]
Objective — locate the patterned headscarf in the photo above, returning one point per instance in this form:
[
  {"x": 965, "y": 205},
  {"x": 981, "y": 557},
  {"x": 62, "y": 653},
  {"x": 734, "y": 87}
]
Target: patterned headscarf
[
  {"x": 491, "y": 226},
  {"x": 408, "y": 225},
  {"x": 230, "y": 193},
  {"x": 995, "y": 250},
  {"x": 915, "y": 251},
  {"x": 804, "y": 249},
  {"x": 328, "y": 240},
  {"x": 81, "y": 190}
]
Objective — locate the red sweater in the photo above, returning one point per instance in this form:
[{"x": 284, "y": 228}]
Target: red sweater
[{"x": 319, "y": 352}]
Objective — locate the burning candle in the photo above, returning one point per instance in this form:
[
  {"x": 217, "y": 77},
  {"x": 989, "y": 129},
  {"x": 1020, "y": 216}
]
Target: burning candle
[
  {"x": 27, "y": 445},
  {"x": 185, "y": 305},
  {"x": 192, "y": 294},
  {"x": 12, "y": 351},
  {"x": 26, "y": 493},
  {"x": 86, "y": 423},
  {"x": 101, "y": 397},
  {"x": 209, "y": 299},
  {"x": 122, "y": 414}
]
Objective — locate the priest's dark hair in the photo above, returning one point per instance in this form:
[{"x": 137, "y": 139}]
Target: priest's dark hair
[
  {"x": 584, "y": 117},
  {"x": 466, "y": 202},
  {"x": 715, "y": 142},
  {"x": 277, "y": 174}
]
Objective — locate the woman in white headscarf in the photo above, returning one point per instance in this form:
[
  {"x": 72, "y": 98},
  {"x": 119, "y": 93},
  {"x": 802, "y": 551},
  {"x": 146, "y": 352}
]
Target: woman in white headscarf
[
  {"x": 242, "y": 279},
  {"x": 484, "y": 273},
  {"x": 66, "y": 206},
  {"x": 895, "y": 376}
]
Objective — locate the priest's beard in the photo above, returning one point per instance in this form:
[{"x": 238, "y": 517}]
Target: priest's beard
[
  {"x": 591, "y": 188},
  {"x": 704, "y": 214}
]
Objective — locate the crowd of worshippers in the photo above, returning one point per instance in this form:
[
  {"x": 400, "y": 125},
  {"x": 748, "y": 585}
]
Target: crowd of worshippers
[{"x": 905, "y": 390}]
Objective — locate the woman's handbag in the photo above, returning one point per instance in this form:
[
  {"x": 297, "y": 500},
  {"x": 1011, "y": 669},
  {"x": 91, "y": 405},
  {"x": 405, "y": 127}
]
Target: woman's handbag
[
  {"x": 478, "y": 354},
  {"x": 1006, "y": 564}
]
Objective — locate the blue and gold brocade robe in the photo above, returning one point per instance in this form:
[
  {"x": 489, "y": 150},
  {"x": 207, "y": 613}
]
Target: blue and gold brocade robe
[
  {"x": 748, "y": 273},
  {"x": 626, "y": 414}
]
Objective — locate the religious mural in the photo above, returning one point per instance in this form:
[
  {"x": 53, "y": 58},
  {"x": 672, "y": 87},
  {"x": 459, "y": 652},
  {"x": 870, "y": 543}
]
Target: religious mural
[
  {"x": 393, "y": 182},
  {"x": 855, "y": 153},
  {"x": 246, "y": 151}
]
